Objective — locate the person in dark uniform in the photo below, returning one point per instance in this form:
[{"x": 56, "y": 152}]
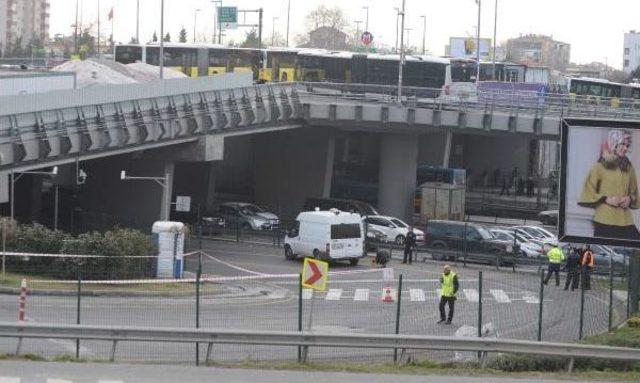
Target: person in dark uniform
[
  {"x": 409, "y": 245},
  {"x": 573, "y": 270}
]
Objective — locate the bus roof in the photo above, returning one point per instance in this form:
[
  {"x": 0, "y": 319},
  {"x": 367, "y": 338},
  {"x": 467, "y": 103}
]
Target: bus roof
[{"x": 410, "y": 58}]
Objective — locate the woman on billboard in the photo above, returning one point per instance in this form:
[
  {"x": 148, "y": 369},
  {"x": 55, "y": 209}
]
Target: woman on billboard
[{"x": 611, "y": 188}]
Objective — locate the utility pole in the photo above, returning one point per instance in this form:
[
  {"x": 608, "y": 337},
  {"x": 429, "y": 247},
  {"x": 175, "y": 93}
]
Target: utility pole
[
  {"x": 288, "y": 17},
  {"x": 161, "y": 58},
  {"x": 138, "y": 21},
  {"x": 424, "y": 35},
  {"x": 478, "y": 43},
  {"x": 260, "y": 12},
  {"x": 401, "y": 61},
  {"x": 397, "y": 23},
  {"x": 495, "y": 32}
]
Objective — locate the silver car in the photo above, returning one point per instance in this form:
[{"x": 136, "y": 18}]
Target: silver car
[{"x": 247, "y": 216}]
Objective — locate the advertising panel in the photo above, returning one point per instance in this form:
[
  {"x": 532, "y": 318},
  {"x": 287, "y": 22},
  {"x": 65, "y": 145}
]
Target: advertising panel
[{"x": 466, "y": 47}]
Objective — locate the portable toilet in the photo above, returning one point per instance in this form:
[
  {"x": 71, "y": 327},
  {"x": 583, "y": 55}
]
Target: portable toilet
[{"x": 169, "y": 237}]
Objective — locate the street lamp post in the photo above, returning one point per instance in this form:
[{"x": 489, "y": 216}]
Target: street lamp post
[
  {"x": 401, "y": 61},
  {"x": 162, "y": 181},
  {"x": 288, "y": 17},
  {"x": 478, "y": 43},
  {"x": 408, "y": 30},
  {"x": 495, "y": 32},
  {"x": 358, "y": 22},
  {"x": 195, "y": 23},
  {"x": 15, "y": 178},
  {"x": 366, "y": 24},
  {"x": 161, "y": 58},
  {"x": 138, "y": 21},
  {"x": 397, "y": 22},
  {"x": 273, "y": 31},
  {"x": 424, "y": 35}
]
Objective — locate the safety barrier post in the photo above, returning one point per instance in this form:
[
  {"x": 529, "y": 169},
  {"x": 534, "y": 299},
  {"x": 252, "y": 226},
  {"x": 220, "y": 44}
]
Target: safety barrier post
[
  {"x": 300, "y": 314},
  {"x": 541, "y": 304},
  {"x": 198, "y": 279},
  {"x": 480, "y": 309},
  {"x": 395, "y": 350},
  {"x": 581, "y": 329},
  {"x": 79, "y": 297},
  {"x": 22, "y": 303}
]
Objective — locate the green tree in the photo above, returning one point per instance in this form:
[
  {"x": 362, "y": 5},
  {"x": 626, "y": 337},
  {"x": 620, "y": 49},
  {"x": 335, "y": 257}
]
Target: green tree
[
  {"x": 167, "y": 38},
  {"x": 155, "y": 37},
  {"x": 183, "y": 35},
  {"x": 251, "y": 40},
  {"x": 133, "y": 40}
]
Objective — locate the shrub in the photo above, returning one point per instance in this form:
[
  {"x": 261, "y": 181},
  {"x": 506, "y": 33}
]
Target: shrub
[{"x": 634, "y": 322}]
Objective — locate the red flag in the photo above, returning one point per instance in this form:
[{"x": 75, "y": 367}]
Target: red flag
[{"x": 111, "y": 14}]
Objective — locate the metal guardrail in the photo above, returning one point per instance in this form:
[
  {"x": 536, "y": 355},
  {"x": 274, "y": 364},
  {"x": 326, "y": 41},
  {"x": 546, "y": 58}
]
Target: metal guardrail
[{"x": 311, "y": 339}]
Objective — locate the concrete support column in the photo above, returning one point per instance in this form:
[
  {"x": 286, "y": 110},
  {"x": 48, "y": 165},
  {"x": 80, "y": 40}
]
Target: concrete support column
[
  {"x": 328, "y": 172},
  {"x": 447, "y": 148},
  {"x": 397, "y": 177},
  {"x": 167, "y": 191}
]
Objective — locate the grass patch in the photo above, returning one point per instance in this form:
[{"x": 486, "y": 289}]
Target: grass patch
[{"x": 623, "y": 337}]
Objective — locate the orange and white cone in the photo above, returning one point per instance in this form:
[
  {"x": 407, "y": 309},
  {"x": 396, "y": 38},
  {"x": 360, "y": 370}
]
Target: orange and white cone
[{"x": 387, "y": 294}]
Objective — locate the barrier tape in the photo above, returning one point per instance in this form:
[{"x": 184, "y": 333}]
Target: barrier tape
[{"x": 44, "y": 255}]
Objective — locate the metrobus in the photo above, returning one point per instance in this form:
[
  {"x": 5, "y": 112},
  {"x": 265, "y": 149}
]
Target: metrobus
[{"x": 584, "y": 86}]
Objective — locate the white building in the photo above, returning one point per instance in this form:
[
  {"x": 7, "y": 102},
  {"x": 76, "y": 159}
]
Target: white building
[
  {"x": 23, "y": 20},
  {"x": 631, "y": 57}
]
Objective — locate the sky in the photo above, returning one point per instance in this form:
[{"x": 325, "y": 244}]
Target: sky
[{"x": 595, "y": 29}]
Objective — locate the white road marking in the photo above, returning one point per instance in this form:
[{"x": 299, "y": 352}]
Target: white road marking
[
  {"x": 417, "y": 295},
  {"x": 110, "y": 381},
  {"x": 500, "y": 296},
  {"x": 333, "y": 295},
  {"x": 530, "y": 297},
  {"x": 51, "y": 380},
  {"x": 9, "y": 380},
  {"x": 361, "y": 295},
  {"x": 471, "y": 295},
  {"x": 307, "y": 294}
]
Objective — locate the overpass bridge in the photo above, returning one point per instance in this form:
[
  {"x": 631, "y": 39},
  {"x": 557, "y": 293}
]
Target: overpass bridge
[{"x": 191, "y": 118}]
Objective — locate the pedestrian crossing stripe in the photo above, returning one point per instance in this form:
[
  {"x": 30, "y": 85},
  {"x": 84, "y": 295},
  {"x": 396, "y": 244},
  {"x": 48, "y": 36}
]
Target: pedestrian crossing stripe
[
  {"x": 361, "y": 295},
  {"x": 530, "y": 297},
  {"x": 471, "y": 295},
  {"x": 9, "y": 380},
  {"x": 333, "y": 295},
  {"x": 50, "y": 380},
  {"x": 109, "y": 381},
  {"x": 500, "y": 296},
  {"x": 417, "y": 295},
  {"x": 307, "y": 294}
]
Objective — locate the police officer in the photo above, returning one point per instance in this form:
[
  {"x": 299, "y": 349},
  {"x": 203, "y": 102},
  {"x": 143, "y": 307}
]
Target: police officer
[
  {"x": 409, "y": 245},
  {"x": 588, "y": 263},
  {"x": 556, "y": 258},
  {"x": 449, "y": 286},
  {"x": 573, "y": 270}
]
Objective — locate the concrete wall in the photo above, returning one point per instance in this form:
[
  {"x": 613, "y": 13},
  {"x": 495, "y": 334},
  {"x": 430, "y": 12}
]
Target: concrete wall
[
  {"x": 397, "y": 180},
  {"x": 431, "y": 148},
  {"x": 291, "y": 166}
]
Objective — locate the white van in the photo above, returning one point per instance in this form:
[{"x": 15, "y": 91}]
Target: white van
[{"x": 331, "y": 235}]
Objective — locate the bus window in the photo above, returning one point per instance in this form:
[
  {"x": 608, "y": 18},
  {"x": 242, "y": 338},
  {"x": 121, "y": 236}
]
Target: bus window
[{"x": 127, "y": 54}]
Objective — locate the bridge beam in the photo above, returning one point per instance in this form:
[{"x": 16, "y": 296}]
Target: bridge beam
[{"x": 397, "y": 176}]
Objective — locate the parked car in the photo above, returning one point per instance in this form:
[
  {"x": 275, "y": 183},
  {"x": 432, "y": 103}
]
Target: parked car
[
  {"x": 347, "y": 205},
  {"x": 329, "y": 235},
  {"x": 452, "y": 235},
  {"x": 527, "y": 248},
  {"x": 374, "y": 238},
  {"x": 548, "y": 217},
  {"x": 212, "y": 224},
  {"x": 247, "y": 216},
  {"x": 394, "y": 229}
]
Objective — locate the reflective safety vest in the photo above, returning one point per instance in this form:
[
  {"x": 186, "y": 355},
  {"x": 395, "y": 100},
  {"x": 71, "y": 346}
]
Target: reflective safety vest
[
  {"x": 447, "y": 285},
  {"x": 588, "y": 259},
  {"x": 555, "y": 255}
]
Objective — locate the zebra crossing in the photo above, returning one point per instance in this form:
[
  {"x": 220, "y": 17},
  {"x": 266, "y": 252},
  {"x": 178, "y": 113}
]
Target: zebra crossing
[
  {"x": 421, "y": 295},
  {"x": 48, "y": 380}
]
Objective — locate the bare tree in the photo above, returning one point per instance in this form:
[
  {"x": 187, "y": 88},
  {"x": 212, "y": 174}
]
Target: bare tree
[{"x": 326, "y": 17}]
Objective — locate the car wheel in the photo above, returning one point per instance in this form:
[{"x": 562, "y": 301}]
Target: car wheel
[
  {"x": 438, "y": 246},
  {"x": 400, "y": 240},
  {"x": 353, "y": 261},
  {"x": 288, "y": 253}
]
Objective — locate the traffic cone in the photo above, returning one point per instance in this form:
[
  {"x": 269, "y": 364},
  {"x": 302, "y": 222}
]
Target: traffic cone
[{"x": 387, "y": 295}]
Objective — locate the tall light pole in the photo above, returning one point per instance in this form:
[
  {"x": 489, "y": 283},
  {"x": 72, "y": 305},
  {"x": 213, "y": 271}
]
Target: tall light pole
[
  {"x": 478, "y": 43},
  {"x": 366, "y": 24},
  {"x": 424, "y": 34},
  {"x": 98, "y": 28},
  {"x": 397, "y": 23},
  {"x": 401, "y": 61},
  {"x": 273, "y": 31},
  {"x": 164, "y": 182},
  {"x": 358, "y": 22},
  {"x": 161, "y": 57},
  {"x": 195, "y": 23},
  {"x": 495, "y": 32},
  {"x": 138, "y": 21},
  {"x": 288, "y": 17}
]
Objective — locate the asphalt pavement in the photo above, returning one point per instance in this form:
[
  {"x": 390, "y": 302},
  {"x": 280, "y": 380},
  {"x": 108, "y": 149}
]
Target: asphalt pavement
[
  {"x": 265, "y": 297},
  {"x": 35, "y": 372}
]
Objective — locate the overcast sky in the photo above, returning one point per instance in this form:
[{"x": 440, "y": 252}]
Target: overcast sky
[{"x": 593, "y": 28}]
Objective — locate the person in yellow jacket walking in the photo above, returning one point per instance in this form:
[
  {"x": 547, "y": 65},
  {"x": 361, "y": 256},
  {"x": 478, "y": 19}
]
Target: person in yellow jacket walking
[
  {"x": 449, "y": 285},
  {"x": 556, "y": 259}
]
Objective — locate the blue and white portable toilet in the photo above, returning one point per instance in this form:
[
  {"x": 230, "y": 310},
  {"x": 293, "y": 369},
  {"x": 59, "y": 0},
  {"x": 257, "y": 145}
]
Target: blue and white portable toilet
[{"x": 169, "y": 237}]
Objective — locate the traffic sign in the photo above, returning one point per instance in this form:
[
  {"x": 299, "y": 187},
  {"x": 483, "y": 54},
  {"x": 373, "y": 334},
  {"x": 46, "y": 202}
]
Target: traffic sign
[
  {"x": 366, "y": 38},
  {"x": 314, "y": 274},
  {"x": 183, "y": 204},
  {"x": 228, "y": 17}
]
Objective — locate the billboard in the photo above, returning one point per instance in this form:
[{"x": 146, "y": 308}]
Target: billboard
[
  {"x": 466, "y": 47},
  {"x": 599, "y": 200}
]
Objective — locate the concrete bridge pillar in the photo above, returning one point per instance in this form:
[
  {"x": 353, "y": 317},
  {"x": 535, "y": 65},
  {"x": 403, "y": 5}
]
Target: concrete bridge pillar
[{"x": 397, "y": 177}]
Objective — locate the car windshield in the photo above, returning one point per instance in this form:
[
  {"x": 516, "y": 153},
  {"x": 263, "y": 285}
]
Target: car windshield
[
  {"x": 345, "y": 231},
  {"x": 486, "y": 234},
  {"x": 399, "y": 223},
  {"x": 250, "y": 209}
]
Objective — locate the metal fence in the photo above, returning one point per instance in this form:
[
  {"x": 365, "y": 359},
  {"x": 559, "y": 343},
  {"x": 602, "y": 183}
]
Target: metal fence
[{"x": 503, "y": 302}]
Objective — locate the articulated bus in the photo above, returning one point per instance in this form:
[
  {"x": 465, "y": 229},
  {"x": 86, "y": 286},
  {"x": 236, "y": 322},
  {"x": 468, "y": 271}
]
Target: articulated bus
[{"x": 595, "y": 88}]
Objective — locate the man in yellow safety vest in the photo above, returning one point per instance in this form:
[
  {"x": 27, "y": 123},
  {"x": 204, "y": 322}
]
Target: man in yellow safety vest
[
  {"x": 449, "y": 285},
  {"x": 556, "y": 258}
]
